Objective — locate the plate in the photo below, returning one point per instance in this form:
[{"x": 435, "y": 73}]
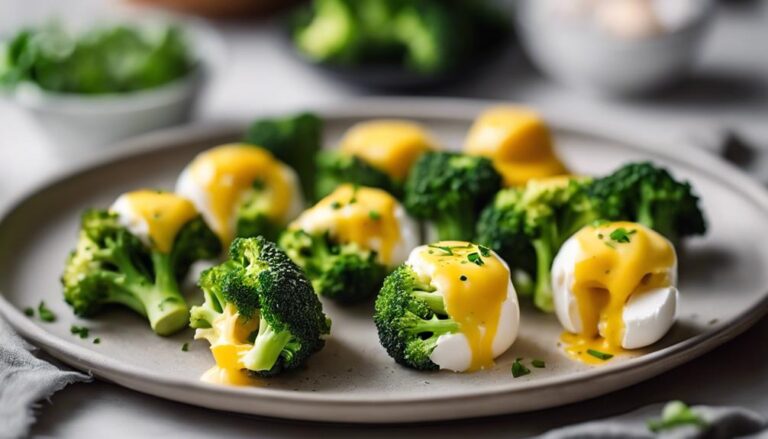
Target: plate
[{"x": 723, "y": 290}]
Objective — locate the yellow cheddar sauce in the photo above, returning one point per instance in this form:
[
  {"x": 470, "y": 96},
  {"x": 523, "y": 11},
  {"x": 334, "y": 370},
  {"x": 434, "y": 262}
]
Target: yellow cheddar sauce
[
  {"x": 228, "y": 172},
  {"x": 519, "y": 143},
  {"x": 619, "y": 259},
  {"x": 473, "y": 293},
  {"x": 228, "y": 336},
  {"x": 355, "y": 214},
  {"x": 391, "y": 146},
  {"x": 164, "y": 213}
]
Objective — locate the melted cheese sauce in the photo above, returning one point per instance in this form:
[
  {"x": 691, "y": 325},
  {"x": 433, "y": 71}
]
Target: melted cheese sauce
[
  {"x": 228, "y": 336},
  {"x": 228, "y": 172},
  {"x": 608, "y": 273},
  {"x": 473, "y": 294},
  {"x": 361, "y": 215},
  {"x": 518, "y": 142},
  {"x": 157, "y": 216},
  {"x": 391, "y": 146}
]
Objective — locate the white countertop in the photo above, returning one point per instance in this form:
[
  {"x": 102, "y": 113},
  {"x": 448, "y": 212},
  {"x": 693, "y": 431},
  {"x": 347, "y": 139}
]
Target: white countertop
[{"x": 729, "y": 91}]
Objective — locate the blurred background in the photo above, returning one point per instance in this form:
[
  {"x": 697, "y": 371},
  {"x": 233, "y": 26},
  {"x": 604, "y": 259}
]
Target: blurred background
[{"x": 79, "y": 75}]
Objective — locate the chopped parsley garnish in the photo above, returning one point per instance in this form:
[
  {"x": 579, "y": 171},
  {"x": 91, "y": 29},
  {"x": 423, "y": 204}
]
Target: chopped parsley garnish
[
  {"x": 621, "y": 235},
  {"x": 446, "y": 249},
  {"x": 374, "y": 215},
  {"x": 29, "y": 311},
  {"x": 475, "y": 258},
  {"x": 80, "y": 331},
  {"x": 484, "y": 251},
  {"x": 675, "y": 414},
  {"x": 335, "y": 205},
  {"x": 185, "y": 347},
  {"x": 463, "y": 278},
  {"x": 353, "y": 200},
  {"x": 45, "y": 314},
  {"x": 257, "y": 184},
  {"x": 518, "y": 369},
  {"x": 599, "y": 355},
  {"x": 539, "y": 364},
  {"x": 96, "y": 340}
]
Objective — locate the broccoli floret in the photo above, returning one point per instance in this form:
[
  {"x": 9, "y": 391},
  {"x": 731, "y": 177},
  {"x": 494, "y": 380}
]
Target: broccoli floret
[
  {"x": 433, "y": 36},
  {"x": 536, "y": 220},
  {"x": 294, "y": 140},
  {"x": 110, "y": 265},
  {"x": 345, "y": 273},
  {"x": 263, "y": 283},
  {"x": 410, "y": 316},
  {"x": 649, "y": 195},
  {"x": 329, "y": 31},
  {"x": 335, "y": 168},
  {"x": 450, "y": 189}
]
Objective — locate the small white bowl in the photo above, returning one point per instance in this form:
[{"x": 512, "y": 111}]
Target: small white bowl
[
  {"x": 594, "y": 61},
  {"x": 76, "y": 123}
]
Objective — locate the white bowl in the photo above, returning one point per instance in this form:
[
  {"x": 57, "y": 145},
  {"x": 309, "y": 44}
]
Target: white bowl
[
  {"x": 593, "y": 61},
  {"x": 76, "y": 123}
]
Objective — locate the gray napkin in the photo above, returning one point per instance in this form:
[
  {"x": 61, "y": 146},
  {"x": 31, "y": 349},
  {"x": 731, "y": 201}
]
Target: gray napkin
[
  {"x": 25, "y": 380},
  {"x": 720, "y": 422}
]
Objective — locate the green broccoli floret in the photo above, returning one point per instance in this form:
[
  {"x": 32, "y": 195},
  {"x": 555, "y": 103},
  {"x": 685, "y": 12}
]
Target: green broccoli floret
[
  {"x": 450, "y": 189},
  {"x": 410, "y": 316},
  {"x": 335, "y": 168},
  {"x": 433, "y": 36},
  {"x": 294, "y": 140},
  {"x": 649, "y": 195},
  {"x": 345, "y": 273},
  {"x": 112, "y": 266},
  {"x": 263, "y": 283},
  {"x": 330, "y": 30},
  {"x": 536, "y": 219}
]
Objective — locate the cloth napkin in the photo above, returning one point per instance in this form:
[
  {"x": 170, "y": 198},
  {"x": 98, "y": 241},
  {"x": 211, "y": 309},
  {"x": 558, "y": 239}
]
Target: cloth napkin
[
  {"x": 719, "y": 423},
  {"x": 25, "y": 380}
]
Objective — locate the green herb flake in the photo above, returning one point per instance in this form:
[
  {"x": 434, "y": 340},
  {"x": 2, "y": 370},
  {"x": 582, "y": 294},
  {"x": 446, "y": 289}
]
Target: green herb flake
[
  {"x": 484, "y": 251},
  {"x": 29, "y": 311},
  {"x": 475, "y": 258},
  {"x": 335, "y": 205},
  {"x": 80, "y": 331},
  {"x": 185, "y": 347},
  {"x": 45, "y": 314},
  {"x": 599, "y": 355},
  {"x": 374, "y": 215},
  {"x": 446, "y": 249},
  {"x": 463, "y": 278},
  {"x": 675, "y": 414},
  {"x": 621, "y": 235},
  {"x": 539, "y": 364},
  {"x": 519, "y": 370},
  {"x": 97, "y": 340}
]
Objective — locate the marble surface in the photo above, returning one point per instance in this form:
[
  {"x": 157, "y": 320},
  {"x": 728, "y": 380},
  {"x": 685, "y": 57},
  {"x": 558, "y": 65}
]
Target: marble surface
[{"x": 728, "y": 91}]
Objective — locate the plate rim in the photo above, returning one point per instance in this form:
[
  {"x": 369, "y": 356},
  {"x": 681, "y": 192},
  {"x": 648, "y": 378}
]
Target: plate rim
[{"x": 430, "y": 108}]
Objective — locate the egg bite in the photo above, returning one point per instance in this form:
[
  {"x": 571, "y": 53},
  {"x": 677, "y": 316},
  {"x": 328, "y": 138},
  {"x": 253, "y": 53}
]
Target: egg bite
[
  {"x": 615, "y": 289},
  {"x": 242, "y": 190}
]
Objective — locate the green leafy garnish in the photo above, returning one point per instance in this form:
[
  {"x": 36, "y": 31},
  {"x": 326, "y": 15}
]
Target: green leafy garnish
[
  {"x": 185, "y": 347},
  {"x": 446, "y": 249},
  {"x": 475, "y": 258},
  {"x": 484, "y": 251},
  {"x": 335, "y": 205},
  {"x": 518, "y": 369},
  {"x": 45, "y": 314},
  {"x": 600, "y": 355},
  {"x": 374, "y": 215},
  {"x": 29, "y": 311},
  {"x": 462, "y": 278},
  {"x": 96, "y": 340},
  {"x": 539, "y": 364},
  {"x": 621, "y": 235},
  {"x": 80, "y": 331},
  {"x": 675, "y": 414}
]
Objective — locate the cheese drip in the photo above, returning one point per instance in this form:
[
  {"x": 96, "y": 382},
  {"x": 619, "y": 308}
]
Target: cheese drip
[
  {"x": 391, "y": 146},
  {"x": 361, "y": 215},
  {"x": 163, "y": 214},
  {"x": 228, "y": 336},
  {"x": 229, "y": 172},
  {"x": 518, "y": 142},
  {"x": 473, "y": 293},
  {"x": 609, "y": 272}
]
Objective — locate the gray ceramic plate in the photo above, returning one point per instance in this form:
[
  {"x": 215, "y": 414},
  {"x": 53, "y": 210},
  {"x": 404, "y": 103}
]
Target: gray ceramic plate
[{"x": 723, "y": 286}]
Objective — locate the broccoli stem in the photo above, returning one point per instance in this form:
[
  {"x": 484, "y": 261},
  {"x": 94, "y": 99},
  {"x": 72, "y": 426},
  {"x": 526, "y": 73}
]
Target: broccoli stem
[
  {"x": 267, "y": 347},
  {"x": 434, "y": 301},
  {"x": 458, "y": 225},
  {"x": 434, "y": 325},
  {"x": 659, "y": 217},
  {"x": 542, "y": 294}
]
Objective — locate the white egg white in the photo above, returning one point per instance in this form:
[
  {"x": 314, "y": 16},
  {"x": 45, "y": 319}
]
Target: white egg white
[
  {"x": 452, "y": 351},
  {"x": 647, "y": 315},
  {"x": 194, "y": 189}
]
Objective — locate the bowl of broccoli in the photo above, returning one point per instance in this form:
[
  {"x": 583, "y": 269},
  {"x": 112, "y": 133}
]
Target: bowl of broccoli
[
  {"x": 92, "y": 85},
  {"x": 391, "y": 44}
]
